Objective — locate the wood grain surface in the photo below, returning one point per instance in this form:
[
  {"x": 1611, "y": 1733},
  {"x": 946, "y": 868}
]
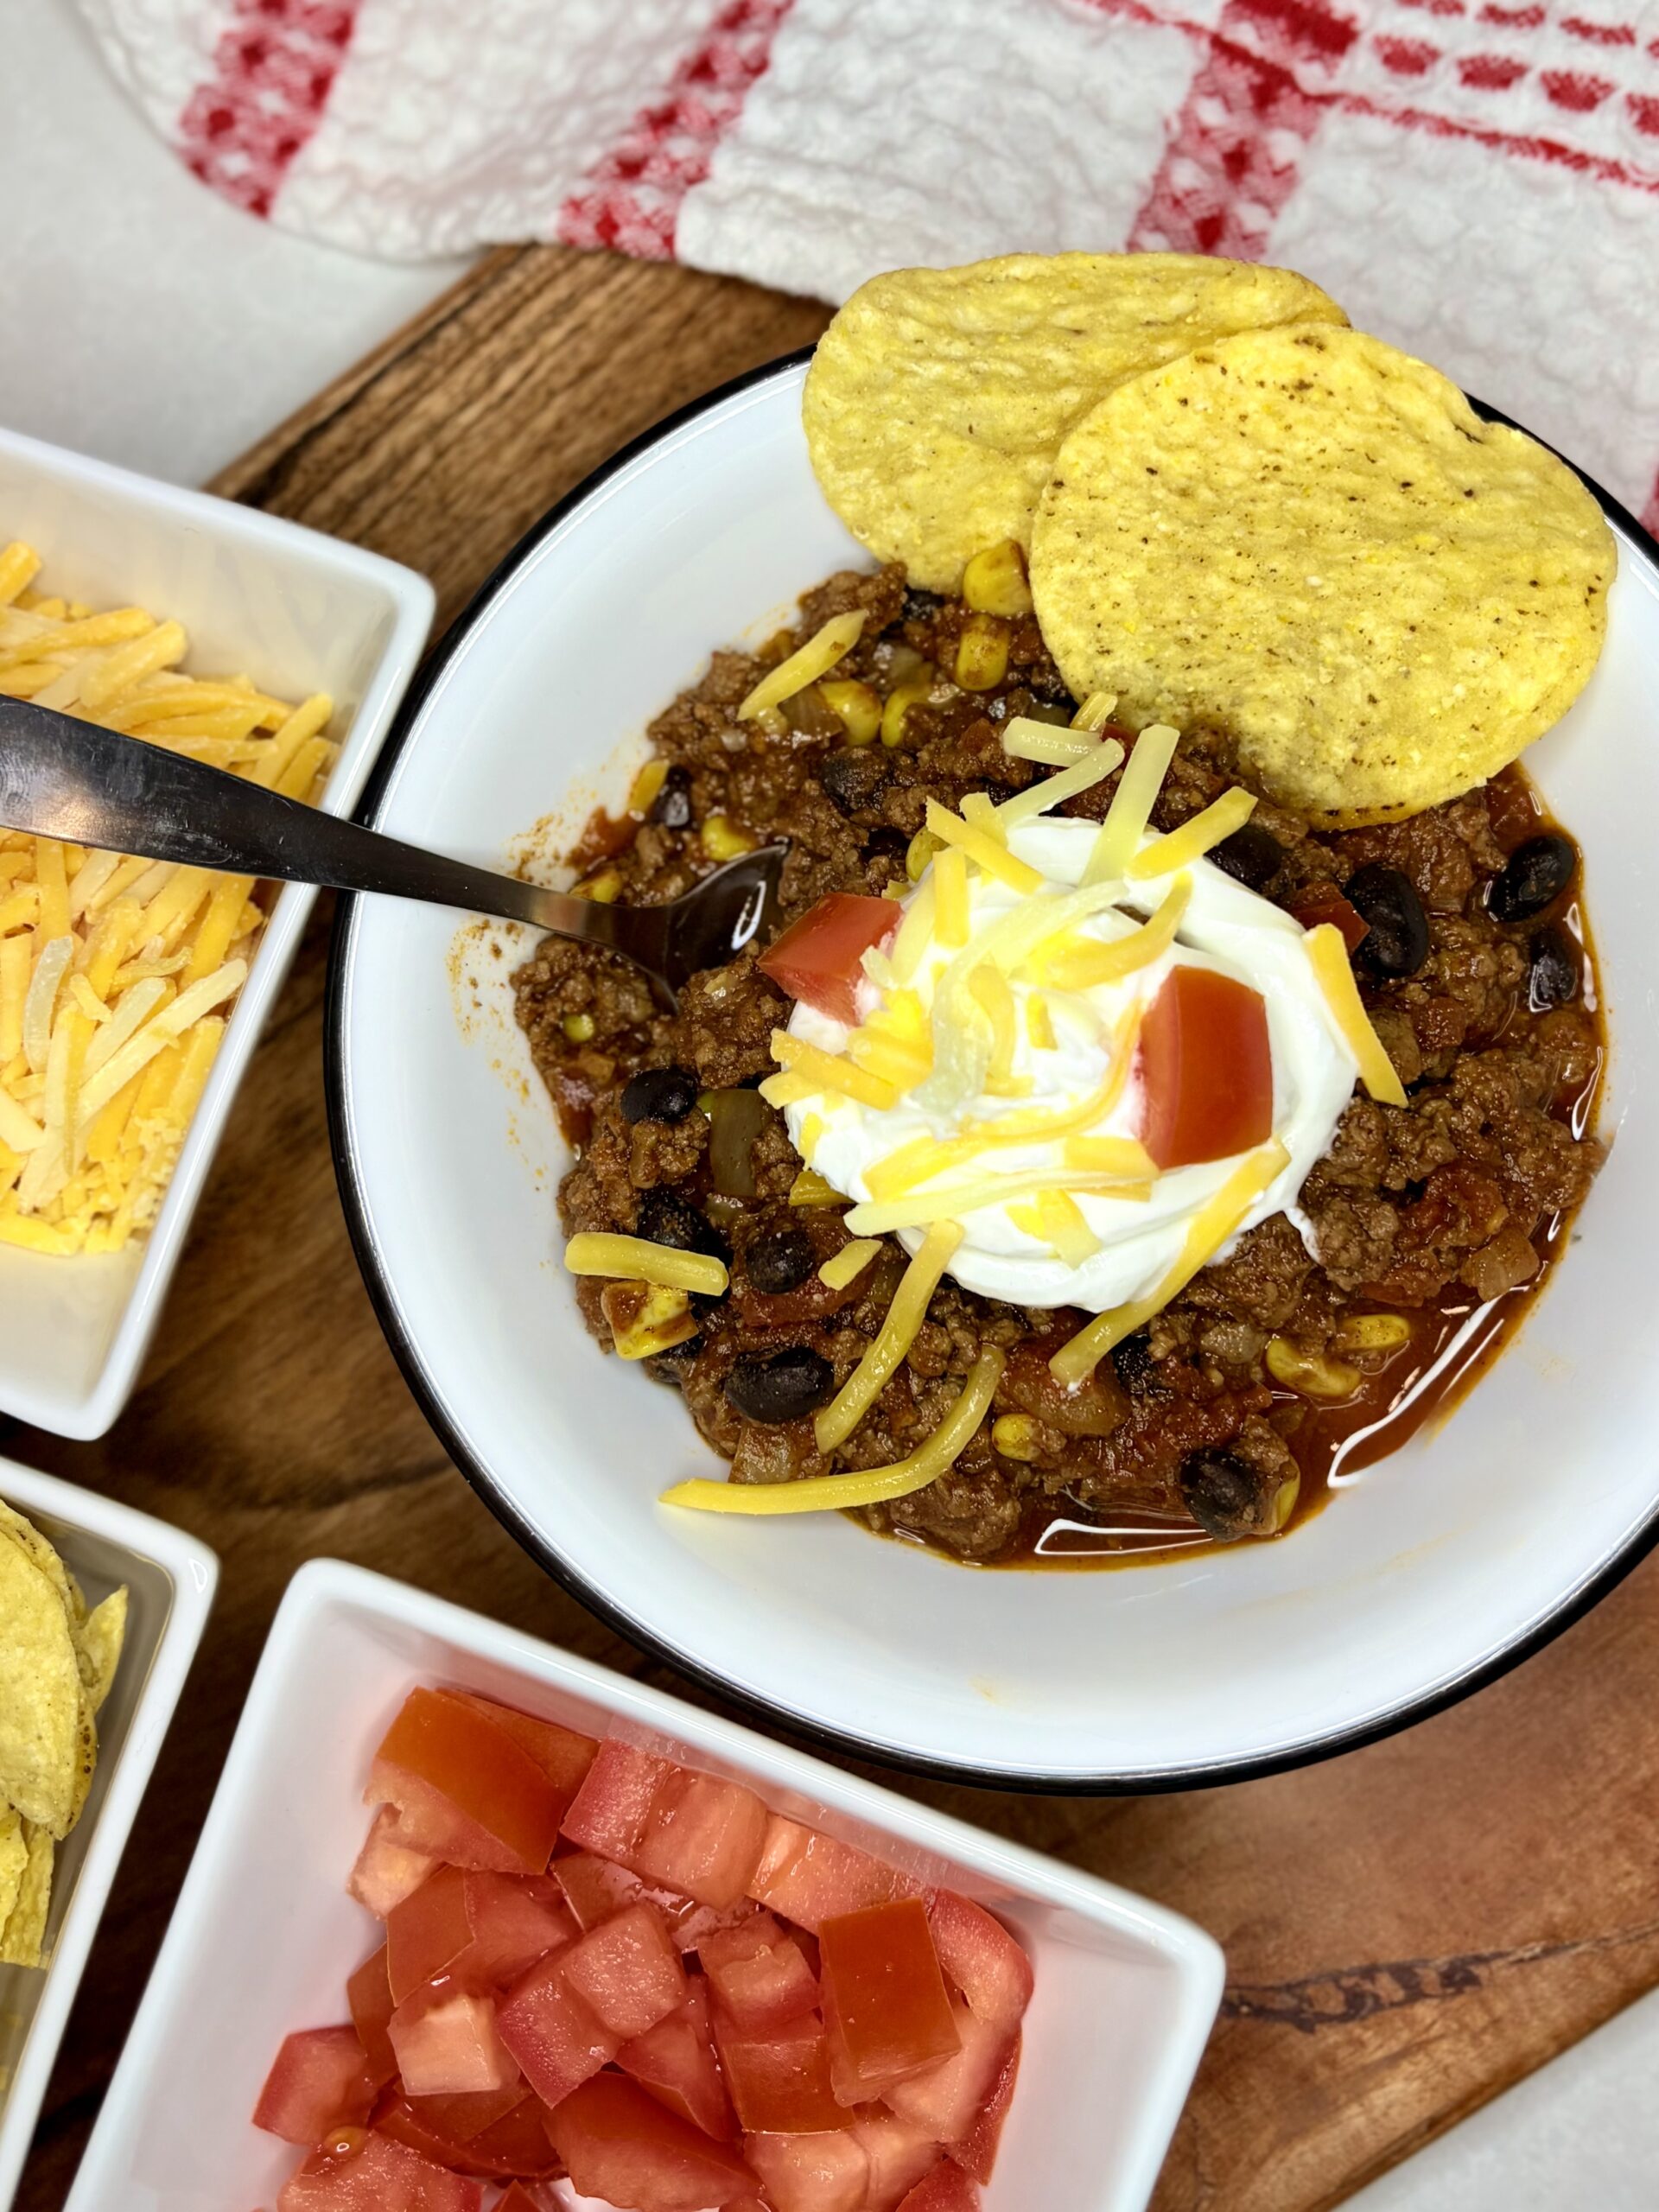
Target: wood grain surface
[{"x": 1409, "y": 1929}]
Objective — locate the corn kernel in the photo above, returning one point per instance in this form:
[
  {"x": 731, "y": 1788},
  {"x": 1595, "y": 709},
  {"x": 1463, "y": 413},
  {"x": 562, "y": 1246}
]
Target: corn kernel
[
  {"x": 857, "y": 706},
  {"x": 723, "y": 841},
  {"x": 982, "y": 653},
  {"x": 601, "y": 888},
  {"x": 809, "y": 1189},
  {"x": 1372, "y": 1332},
  {"x": 1310, "y": 1374},
  {"x": 921, "y": 851},
  {"x": 901, "y": 700},
  {"x": 579, "y": 1028},
  {"x": 642, "y": 793},
  {"x": 1284, "y": 1502},
  {"x": 1014, "y": 1435},
  {"x": 993, "y": 583}
]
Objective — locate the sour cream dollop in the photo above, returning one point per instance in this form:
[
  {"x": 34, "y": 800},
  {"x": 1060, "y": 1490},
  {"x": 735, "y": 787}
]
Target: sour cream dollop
[{"x": 1226, "y": 928}]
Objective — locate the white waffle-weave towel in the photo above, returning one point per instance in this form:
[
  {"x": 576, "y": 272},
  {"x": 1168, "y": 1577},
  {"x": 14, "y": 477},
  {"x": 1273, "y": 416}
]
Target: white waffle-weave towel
[{"x": 1474, "y": 180}]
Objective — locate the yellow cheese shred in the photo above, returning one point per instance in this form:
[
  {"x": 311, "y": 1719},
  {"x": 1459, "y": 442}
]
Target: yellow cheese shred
[
  {"x": 978, "y": 812},
  {"x": 635, "y": 1259},
  {"x": 1195, "y": 837},
  {"x": 830, "y": 1072},
  {"x": 1024, "y": 738},
  {"x": 1039, "y": 1023},
  {"x": 951, "y": 897},
  {"x": 915, "y": 933},
  {"x": 905, "y": 1317},
  {"x": 1209, "y": 1229},
  {"x": 919, "y": 1208},
  {"x": 1055, "y": 1218},
  {"x": 847, "y": 1265},
  {"x": 981, "y": 848},
  {"x": 1053, "y": 791},
  {"x": 1096, "y": 710},
  {"x": 990, "y": 988},
  {"x": 789, "y": 1089},
  {"x": 1081, "y": 966},
  {"x": 1328, "y": 957},
  {"x": 806, "y": 664},
  {"x": 842, "y": 1493},
  {"x": 1132, "y": 804}
]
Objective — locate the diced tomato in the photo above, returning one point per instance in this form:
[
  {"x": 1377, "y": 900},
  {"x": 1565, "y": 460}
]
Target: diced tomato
[
  {"x": 947, "y": 2099},
  {"x": 884, "y": 1998},
  {"x": 492, "y": 2136},
  {"x": 809, "y": 1877},
  {"x": 676, "y": 2062},
  {"x": 428, "y": 1930},
  {"x": 514, "y": 1920},
  {"x": 759, "y": 1973},
  {"x": 462, "y": 2117},
  {"x": 372, "y": 2173},
  {"x": 515, "y": 2144},
  {"x": 321, "y": 2081},
  {"x": 369, "y": 1994},
  {"x": 781, "y": 2082},
  {"x": 628, "y": 1973},
  {"x": 387, "y": 1871},
  {"x": 1207, "y": 1069},
  {"x": 702, "y": 1835},
  {"x": 620, "y": 2144},
  {"x": 976, "y": 2153},
  {"x": 810, "y": 2173},
  {"x": 900, "y": 2155},
  {"x": 551, "y": 2033},
  {"x": 518, "y": 2198},
  {"x": 987, "y": 1964},
  {"x": 946, "y": 2188},
  {"x": 1330, "y": 905},
  {"x": 817, "y": 958},
  {"x": 594, "y": 1888},
  {"x": 609, "y": 1811},
  {"x": 465, "y": 1789},
  {"x": 447, "y": 2045},
  {"x": 563, "y": 1756}
]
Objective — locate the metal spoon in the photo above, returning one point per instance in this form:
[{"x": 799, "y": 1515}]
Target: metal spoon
[{"x": 60, "y": 776}]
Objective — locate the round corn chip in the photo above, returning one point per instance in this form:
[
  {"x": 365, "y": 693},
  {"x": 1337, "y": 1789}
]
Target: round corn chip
[
  {"x": 22, "y": 1931},
  {"x": 97, "y": 1646},
  {"x": 42, "y": 1746},
  {"x": 41, "y": 1550},
  {"x": 1312, "y": 543},
  {"x": 938, "y": 398},
  {"x": 14, "y": 1861}
]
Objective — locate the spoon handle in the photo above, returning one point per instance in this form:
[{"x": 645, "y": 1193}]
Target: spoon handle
[{"x": 60, "y": 776}]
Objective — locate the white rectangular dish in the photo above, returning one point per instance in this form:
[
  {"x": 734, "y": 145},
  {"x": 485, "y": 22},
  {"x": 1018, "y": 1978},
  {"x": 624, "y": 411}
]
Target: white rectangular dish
[
  {"x": 171, "y": 1579},
  {"x": 264, "y": 1934},
  {"x": 298, "y": 612}
]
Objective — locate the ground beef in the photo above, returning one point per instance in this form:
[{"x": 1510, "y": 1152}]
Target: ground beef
[{"x": 1456, "y": 1196}]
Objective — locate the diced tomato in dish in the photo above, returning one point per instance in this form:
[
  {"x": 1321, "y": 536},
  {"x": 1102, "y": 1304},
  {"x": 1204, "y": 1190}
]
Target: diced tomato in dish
[
  {"x": 609, "y": 1811},
  {"x": 514, "y": 1920},
  {"x": 818, "y": 958},
  {"x": 372, "y": 2173},
  {"x": 563, "y": 1756},
  {"x": 809, "y": 1878},
  {"x": 975, "y": 2153},
  {"x": 552, "y": 2033},
  {"x": 1343, "y": 916},
  {"x": 620, "y": 2144},
  {"x": 449, "y": 2045},
  {"x": 884, "y": 1998},
  {"x": 780, "y": 2083},
  {"x": 676, "y": 2061},
  {"x": 387, "y": 1871},
  {"x": 369, "y": 1994},
  {"x": 947, "y": 2189},
  {"x": 811, "y": 2173},
  {"x": 759, "y": 1973},
  {"x": 426, "y": 1931},
  {"x": 899, "y": 2154},
  {"x": 1207, "y": 1069},
  {"x": 947, "y": 2099},
  {"x": 702, "y": 1835},
  {"x": 465, "y": 1789},
  {"x": 628, "y": 1973},
  {"x": 518, "y": 2198},
  {"x": 988, "y": 1965},
  {"x": 321, "y": 2081},
  {"x": 497, "y": 2136}
]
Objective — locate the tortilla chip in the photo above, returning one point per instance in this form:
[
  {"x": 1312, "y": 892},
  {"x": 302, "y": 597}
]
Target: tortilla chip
[
  {"x": 23, "y": 1935},
  {"x": 42, "y": 1740},
  {"x": 1312, "y": 543},
  {"x": 14, "y": 1860},
  {"x": 41, "y": 1552},
  {"x": 938, "y": 398},
  {"x": 97, "y": 1646}
]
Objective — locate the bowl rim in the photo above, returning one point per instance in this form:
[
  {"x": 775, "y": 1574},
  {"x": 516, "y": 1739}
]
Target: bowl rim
[{"x": 1523, "y": 1645}]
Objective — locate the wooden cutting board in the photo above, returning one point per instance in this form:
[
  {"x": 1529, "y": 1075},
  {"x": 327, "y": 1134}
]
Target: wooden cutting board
[{"x": 1409, "y": 1930}]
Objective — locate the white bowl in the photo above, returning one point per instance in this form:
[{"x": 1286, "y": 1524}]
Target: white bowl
[
  {"x": 264, "y": 1935},
  {"x": 171, "y": 1578},
  {"x": 298, "y": 612},
  {"x": 1430, "y": 1573}
]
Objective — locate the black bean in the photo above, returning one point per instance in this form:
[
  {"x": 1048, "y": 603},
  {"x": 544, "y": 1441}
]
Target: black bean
[
  {"x": 1252, "y": 854},
  {"x": 671, "y": 808},
  {"x": 780, "y": 1262},
  {"x": 1534, "y": 873},
  {"x": 855, "y": 779},
  {"x": 1137, "y": 1370},
  {"x": 785, "y": 1387},
  {"x": 919, "y": 604},
  {"x": 1396, "y": 943},
  {"x": 659, "y": 1094},
  {"x": 885, "y": 844},
  {"x": 664, "y": 1217},
  {"x": 668, "y": 1366},
  {"x": 1223, "y": 1493},
  {"x": 1554, "y": 979}
]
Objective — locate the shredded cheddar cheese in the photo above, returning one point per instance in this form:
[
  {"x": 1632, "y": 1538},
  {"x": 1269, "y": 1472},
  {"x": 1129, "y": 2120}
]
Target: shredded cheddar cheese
[
  {"x": 635, "y": 1259},
  {"x": 1329, "y": 956},
  {"x": 847, "y": 1265},
  {"x": 1096, "y": 710},
  {"x": 905, "y": 1317},
  {"x": 1053, "y": 791},
  {"x": 920, "y": 1209},
  {"x": 1023, "y": 738},
  {"x": 805, "y": 666},
  {"x": 1195, "y": 837},
  {"x": 981, "y": 848},
  {"x": 1132, "y": 804},
  {"x": 951, "y": 897},
  {"x": 828, "y": 1072},
  {"x": 1081, "y": 965}
]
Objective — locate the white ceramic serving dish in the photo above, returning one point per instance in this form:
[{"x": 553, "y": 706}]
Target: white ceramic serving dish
[
  {"x": 264, "y": 1934},
  {"x": 1428, "y": 1574},
  {"x": 298, "y": 612},
  {"x": 171, "y": 1579}
]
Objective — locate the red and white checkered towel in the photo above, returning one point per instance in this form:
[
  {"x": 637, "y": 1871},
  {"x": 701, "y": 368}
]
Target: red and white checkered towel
[{"x": 1474, "y": 180}]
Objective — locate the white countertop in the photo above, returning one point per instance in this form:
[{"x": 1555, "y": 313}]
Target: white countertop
[{"x": 147, "y": 321}]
